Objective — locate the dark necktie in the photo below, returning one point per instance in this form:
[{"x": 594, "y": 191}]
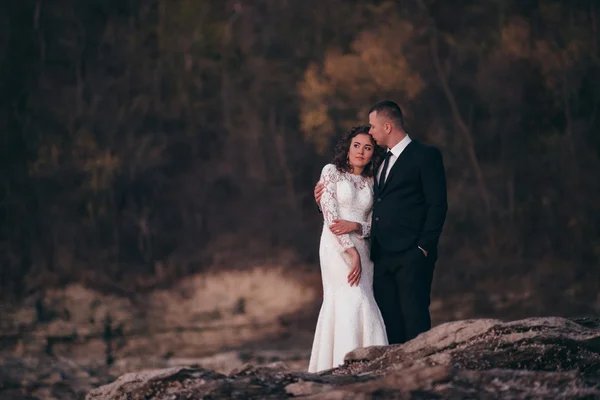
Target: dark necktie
[{"x": 386, "y": 163}]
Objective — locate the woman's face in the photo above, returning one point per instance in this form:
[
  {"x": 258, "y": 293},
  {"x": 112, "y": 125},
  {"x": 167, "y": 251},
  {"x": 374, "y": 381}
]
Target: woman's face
[{"x": 361, "y": 150}]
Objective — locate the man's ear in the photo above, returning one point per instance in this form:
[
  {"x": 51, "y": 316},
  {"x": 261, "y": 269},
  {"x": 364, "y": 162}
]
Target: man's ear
[{"x": 387, "y": 127}]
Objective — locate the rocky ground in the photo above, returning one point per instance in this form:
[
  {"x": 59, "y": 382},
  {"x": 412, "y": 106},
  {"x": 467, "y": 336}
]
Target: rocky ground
[
  {"x": 63, "y": 343},
  {"x": 537, "y": 358}
]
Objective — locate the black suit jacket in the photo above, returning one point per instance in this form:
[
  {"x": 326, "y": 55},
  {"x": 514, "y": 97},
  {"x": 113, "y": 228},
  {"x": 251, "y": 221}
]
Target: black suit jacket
[{"x": 410, "y": 208}]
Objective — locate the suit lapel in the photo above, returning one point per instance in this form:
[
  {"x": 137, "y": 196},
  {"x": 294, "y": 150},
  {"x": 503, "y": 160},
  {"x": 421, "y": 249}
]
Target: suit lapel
[
  {"x": 379, "y": 188},
  {"x": 396, "y": 165},
  {"x": 377, "y": 182}
]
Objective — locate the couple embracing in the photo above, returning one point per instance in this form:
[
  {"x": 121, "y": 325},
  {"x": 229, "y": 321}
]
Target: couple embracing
[{"x": 383, "y": 200}]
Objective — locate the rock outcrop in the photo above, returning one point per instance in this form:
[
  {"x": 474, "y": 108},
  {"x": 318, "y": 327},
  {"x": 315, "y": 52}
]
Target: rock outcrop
[{"x": 537, "y": 358}]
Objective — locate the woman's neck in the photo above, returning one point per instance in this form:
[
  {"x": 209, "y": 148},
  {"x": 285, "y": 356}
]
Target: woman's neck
[{"x": 356, "y": 171}]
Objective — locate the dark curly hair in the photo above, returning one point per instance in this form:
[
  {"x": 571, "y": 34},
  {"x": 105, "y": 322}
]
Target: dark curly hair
[{"x": 340, "y": 155}]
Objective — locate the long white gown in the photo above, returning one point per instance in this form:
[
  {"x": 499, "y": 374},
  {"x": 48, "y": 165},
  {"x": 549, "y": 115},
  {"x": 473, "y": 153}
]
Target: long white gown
[{"x": 349, "y": 316}]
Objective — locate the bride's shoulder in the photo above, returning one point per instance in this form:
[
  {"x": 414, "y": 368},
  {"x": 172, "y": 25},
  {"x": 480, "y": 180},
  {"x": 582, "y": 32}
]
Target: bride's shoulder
[
  {"x": 330, "y": 172},
  {"x": 330, "y": 169}
]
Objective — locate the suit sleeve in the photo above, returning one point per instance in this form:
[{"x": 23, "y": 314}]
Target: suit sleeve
[{"x": 433, "y": 179}]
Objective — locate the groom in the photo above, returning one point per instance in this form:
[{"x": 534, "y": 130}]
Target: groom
[{"x": 408, "y": 215}]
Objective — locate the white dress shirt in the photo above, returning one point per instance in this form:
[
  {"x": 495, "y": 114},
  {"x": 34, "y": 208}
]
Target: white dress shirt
[{"x": 396, "y": 151}]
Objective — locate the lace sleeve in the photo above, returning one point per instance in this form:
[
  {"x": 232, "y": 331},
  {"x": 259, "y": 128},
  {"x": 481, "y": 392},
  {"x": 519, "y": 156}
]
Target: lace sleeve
[
  {"x": 329, "y": 205},
  {"x": 366, "y": 226}
]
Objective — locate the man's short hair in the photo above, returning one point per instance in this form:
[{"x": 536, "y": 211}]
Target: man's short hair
[{"x": 390, "y": 110}]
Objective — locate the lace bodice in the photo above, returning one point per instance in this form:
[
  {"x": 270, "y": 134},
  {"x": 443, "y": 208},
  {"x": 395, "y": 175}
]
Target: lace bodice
[{"x": 346, "y": 196}]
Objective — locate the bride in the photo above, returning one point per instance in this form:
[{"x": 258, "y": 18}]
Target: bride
[{"x": 349, "y": 317}]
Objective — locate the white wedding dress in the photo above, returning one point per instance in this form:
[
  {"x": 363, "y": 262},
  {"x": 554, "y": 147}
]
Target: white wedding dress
[{"x": 349, "y": 316}]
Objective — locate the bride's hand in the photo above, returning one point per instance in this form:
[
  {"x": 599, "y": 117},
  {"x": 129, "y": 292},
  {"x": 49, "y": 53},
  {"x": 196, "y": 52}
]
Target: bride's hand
[
  {"x": 341, "y": 226},
  {"x": 354, "y": 275}
]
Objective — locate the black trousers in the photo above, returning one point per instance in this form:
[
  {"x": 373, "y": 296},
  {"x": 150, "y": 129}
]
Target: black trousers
[{"x": 402, "y": 287}]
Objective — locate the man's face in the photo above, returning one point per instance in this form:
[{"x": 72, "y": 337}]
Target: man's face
[{"x": 377, "y": 130}]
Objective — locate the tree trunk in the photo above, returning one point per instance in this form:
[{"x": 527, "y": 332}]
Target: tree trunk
[{"x": 277, "y": 131}]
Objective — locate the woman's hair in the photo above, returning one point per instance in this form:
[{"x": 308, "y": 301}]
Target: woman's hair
[{"x": 340, "y": 154}]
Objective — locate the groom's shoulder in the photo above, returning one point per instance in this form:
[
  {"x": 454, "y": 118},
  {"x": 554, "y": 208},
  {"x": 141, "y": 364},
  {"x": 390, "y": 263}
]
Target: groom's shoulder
[
  {"x": 427, "y": 151},
  {"x": 426, "y": 148}
]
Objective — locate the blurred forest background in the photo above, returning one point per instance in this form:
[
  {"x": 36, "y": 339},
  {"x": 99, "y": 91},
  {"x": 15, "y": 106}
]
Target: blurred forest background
[{"x": 146, "y": 140}]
